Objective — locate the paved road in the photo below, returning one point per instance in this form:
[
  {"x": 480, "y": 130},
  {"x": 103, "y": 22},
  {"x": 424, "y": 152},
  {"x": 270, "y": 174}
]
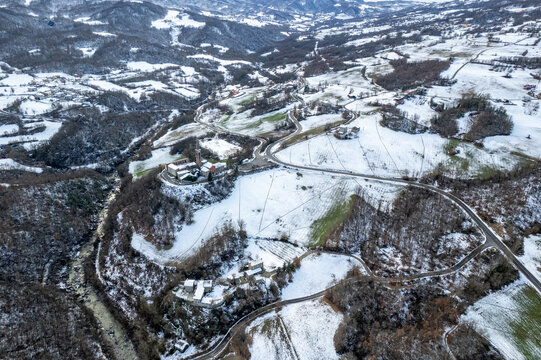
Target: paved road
[
  {"x": 482, "y": 52},
  {"x": 492, "y": 240},
  {"x": 219, "y": 347}
]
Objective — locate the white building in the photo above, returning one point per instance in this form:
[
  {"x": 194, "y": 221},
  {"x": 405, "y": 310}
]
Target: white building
[
  {"x": 199, "y": 292},
  {"x": 189, "y": 285},
  {"x": 207, "y": 285}
]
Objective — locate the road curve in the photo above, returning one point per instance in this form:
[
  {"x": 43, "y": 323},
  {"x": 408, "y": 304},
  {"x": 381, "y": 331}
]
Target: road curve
[
  {"x": 221, "y": 345},
  {"x": 492, "y": 240},
  {"x": 491, "y": 237}
]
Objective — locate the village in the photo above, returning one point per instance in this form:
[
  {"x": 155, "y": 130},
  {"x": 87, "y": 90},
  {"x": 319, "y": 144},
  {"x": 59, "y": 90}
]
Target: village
[
  {"x": 211, "y": 293},
  {"x": 185, "y": 172}
]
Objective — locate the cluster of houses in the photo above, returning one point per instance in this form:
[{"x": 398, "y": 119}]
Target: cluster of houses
[
  {"x": 197, "y": 291},
  {"x": 194, "y": 291},
  {"x": 254, "y": 268},
  {"x": 345, "y": 133},
  {"x": 189, "y": 172}
]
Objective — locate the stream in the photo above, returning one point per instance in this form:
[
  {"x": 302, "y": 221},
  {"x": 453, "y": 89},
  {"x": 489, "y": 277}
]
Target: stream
[{"x": 112, "y": 330}]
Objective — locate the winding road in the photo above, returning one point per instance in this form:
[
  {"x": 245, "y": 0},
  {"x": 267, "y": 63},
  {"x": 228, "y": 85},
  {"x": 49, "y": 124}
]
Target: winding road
[{"x": 269, "y": 153}]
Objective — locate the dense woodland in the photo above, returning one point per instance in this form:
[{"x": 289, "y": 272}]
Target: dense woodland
[
  {"x": 485, "y": 119},
  {"x": 407, "y": 75},
  {"x": 416, "y": 229},
  {"x": 44, "y": 221},
  {"x": 387, "y": 322}
]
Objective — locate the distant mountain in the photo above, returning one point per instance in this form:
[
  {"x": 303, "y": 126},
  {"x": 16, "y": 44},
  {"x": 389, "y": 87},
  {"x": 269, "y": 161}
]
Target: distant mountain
[{"x": 279, "y": 10}]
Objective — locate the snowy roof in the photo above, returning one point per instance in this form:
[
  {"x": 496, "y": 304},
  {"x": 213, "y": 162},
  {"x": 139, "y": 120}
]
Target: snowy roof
[
  {"x": 189, "y": 283},
  {"x": 199, "y": 291},
  {"x": 175, "y": 167},
  {"x": 207, "y": 300},
  {"x": 254, "y": 271}
]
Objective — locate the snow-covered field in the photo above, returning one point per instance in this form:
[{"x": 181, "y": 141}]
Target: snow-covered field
[
  {"x": 532, "y": 255},
  {"x": 388, "y": 153},
  {"x": 301, "y": 331},
  {"x": 159, "y": 157},
  {"x": 273, "y": 204},
  {"x": 316, "y": 121},
  {"x": 273, "y": 253},
  {"x": 172, "y": 19},
  {"x": 334, "y": 87},
  {"x": 509, "y": 318},
  {"x": 31, "y": 141},
  {"x": 145, "y": 66},
  {"x": 317, "y": 273},
  {"x": 246, "y": 124},
  {"x": 172, "y": 136},
  {"x": 220, "y": 147},
  {"x": 33, "y": 107}
]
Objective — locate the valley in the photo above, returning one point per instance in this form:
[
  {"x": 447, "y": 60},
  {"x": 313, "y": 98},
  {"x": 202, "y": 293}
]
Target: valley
[{"x": 252, "y": 180}]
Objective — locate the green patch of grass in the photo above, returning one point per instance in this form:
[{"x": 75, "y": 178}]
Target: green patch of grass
[
  {"x": 274, "y": 118},
  {"x": 450, "y": 147},
  {"x": 247, "y": 101},
  {"x": 142, "y": 173},
  {"x": 313, "y": 132},
  {"x": 335, "y": 216},
  {"x": 486, "y": 172},
  {"x": 527, "y": 326},
  {"x": 222, "y": 122},
  {"x": 271, "y": 118}
]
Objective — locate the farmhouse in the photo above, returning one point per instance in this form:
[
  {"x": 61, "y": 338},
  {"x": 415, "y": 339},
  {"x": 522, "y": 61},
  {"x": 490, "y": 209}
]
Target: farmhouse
[{"x": 344, "y": 133}]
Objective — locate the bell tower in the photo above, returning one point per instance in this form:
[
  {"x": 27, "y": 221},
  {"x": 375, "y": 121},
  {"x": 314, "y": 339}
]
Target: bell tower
[{"x": 198, "y": 161}]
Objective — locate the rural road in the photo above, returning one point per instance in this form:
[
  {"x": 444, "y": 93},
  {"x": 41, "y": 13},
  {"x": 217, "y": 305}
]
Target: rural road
[
  {"x": 221, "y": 345},
  {"x": 492, "y": 240}
]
